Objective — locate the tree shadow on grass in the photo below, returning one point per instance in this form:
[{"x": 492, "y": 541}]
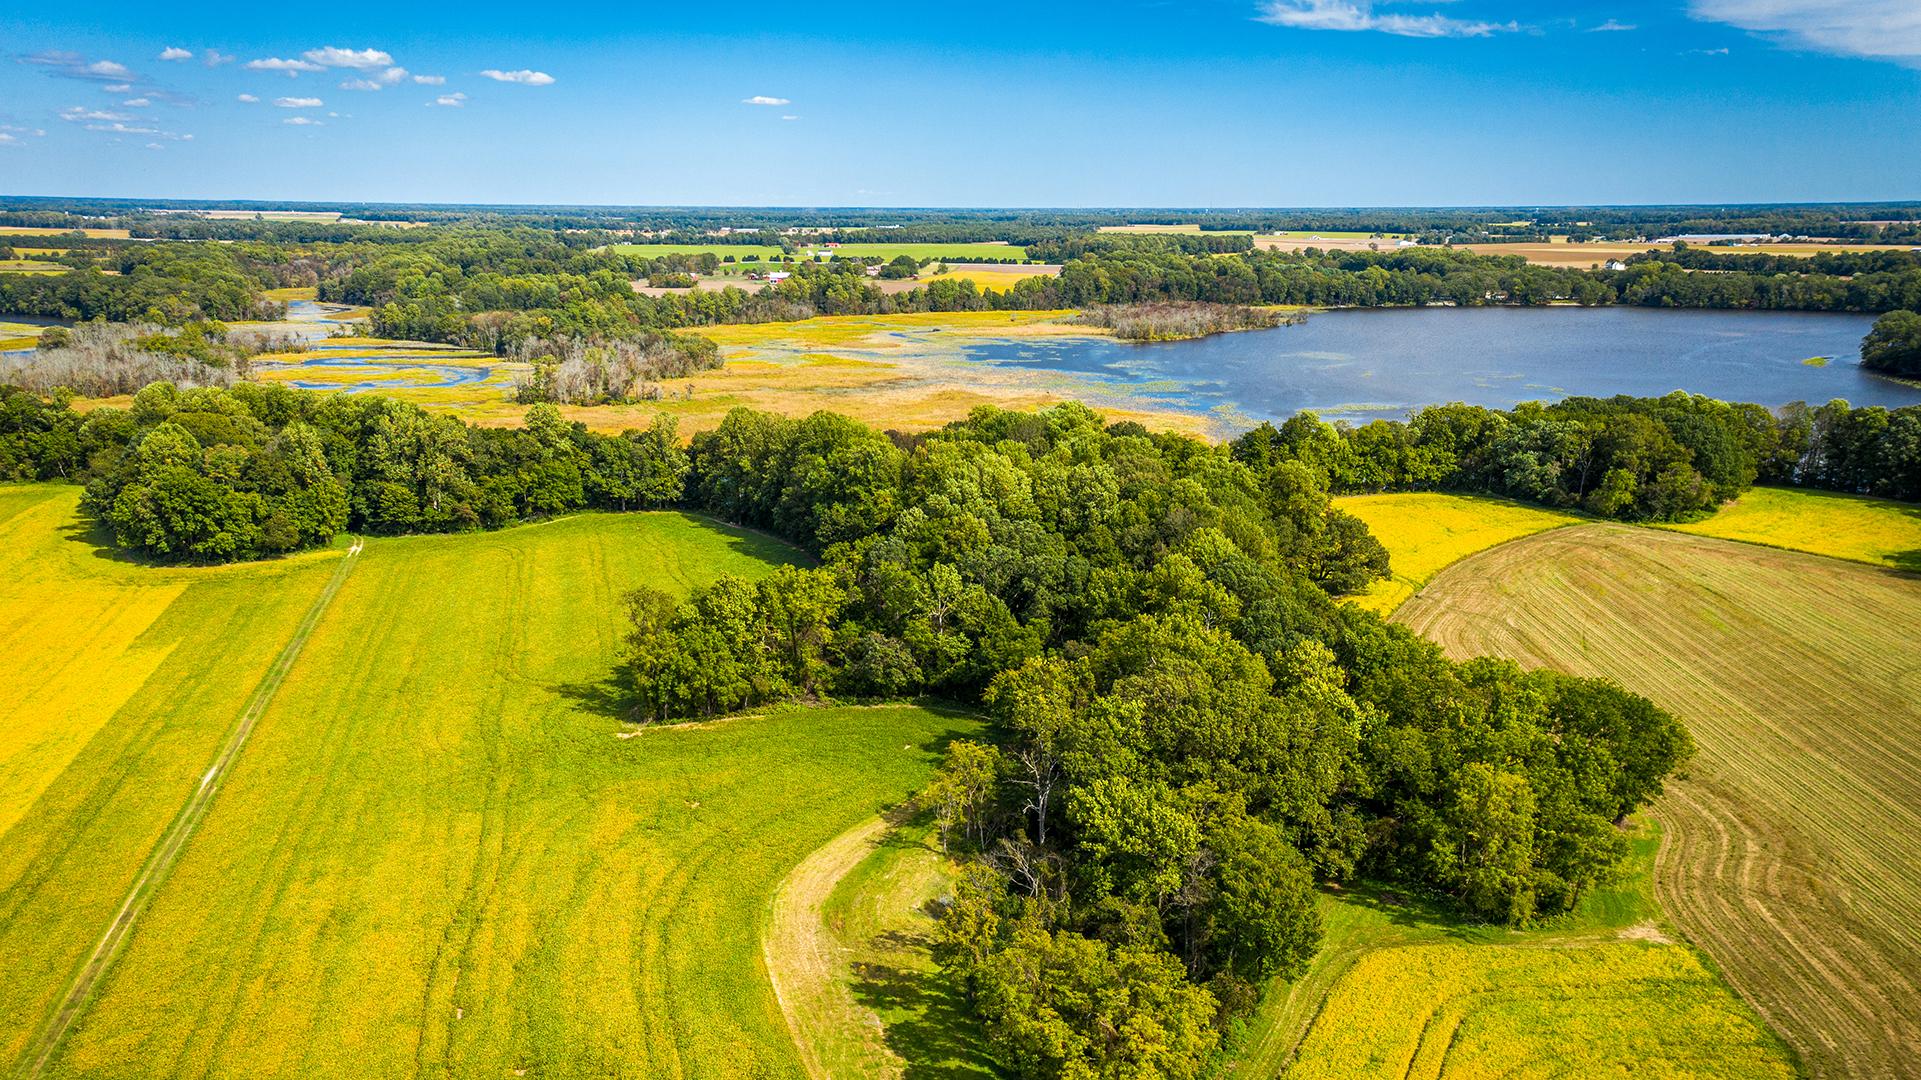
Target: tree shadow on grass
[
  {"x": 605, "y": 696},
  {"x": 931, "y": 1029}
]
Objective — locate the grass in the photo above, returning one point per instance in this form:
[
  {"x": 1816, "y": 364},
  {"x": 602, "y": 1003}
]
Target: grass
[
  {"x": 434, "y": 854},
  {"x": 964, "y": 252},
  {"x": 1425, "y": 532},
  {"x": 1618, "y": 1009},
  {"x": 1642, "y": 992},
  {"x": 909, "y": 1019},
  {"x": 1866, "y": 530},
  {"x": 1794, "y": 853}
]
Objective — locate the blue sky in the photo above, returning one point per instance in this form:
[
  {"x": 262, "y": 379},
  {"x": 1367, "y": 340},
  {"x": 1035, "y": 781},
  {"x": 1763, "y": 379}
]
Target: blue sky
[{"x": 989, "y": 103}]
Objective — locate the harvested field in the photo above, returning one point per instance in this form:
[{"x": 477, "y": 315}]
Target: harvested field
[
  {"x": 1427, "y": 531},
  {"x": 1794, "y": 853}
]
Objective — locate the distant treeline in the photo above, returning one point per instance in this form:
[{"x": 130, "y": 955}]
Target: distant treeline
[
  {"x": 1885, "y": 222},
  {"x": 1635, "y": 459},
  {"x": 492, "y": 287}
]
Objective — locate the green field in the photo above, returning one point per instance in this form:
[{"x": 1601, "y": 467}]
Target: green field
[
  {"x": 979, "y": 252},
  {"x": 439, "y": 852},
  {"x": 1794, "y": 840},
  {"x": 1443, "y": 977}
]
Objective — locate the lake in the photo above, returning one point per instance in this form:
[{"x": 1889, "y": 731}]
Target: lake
[{"x": 1366, "y": 364}]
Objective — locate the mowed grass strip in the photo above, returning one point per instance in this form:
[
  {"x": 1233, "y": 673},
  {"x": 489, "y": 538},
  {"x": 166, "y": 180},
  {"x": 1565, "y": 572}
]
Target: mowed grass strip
[
  {"x": 1427, "y": 531},
  {"x": 1866, "y": 530},
  {"x": 439, "y": 856},
  {"x": 1613, "y": 1009},
  {"x": 1794, "y": 855}
]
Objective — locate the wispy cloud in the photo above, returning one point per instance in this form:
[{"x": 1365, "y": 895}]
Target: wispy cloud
[
  {"x": 378, "y": 82},
  {"x": 1612, "y": 26},
  {"x": 304, "y": 121},
  {"x": 248, "y": 98},
  {"x": 1876, "y": 29},
  {"x": 171, "y": 53},
  {"x": 431, "y": 80},
  {"x": 72, "y": 65},
  {"x": 214, "y": 58},
  {"x": 136, "y": 103},
  {"x": 523, "y": 77},
  {"x": 790, "y": 117},
  {"x": 762, "y": 99},
  {"x": 291, "y": 68},
  {"x": 1359, "y": 15},
  {"x": 76, "y": 113},
  {"x": 299, "y": 102},
  {"x": 454, "y": 100}
]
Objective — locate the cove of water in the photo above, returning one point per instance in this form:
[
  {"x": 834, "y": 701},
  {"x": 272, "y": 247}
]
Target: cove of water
[{"x": 1367, "y": 364}]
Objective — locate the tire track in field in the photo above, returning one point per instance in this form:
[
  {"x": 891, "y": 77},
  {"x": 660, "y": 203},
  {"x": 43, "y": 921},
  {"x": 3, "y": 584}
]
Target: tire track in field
[
  {"x": 1793, "y": 853},
  {"x": 47, "y": 1041}
]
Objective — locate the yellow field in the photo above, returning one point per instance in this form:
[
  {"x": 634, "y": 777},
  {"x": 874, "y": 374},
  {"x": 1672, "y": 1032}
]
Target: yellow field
[
  {"x": 1794, "y": 840},
  {"x": 36, "y": 230},
  {"x": 1842, "y": 526},
  {"x": 440, "y": 853},
  {"x": 1559, "y": 252},
  {"x": 1615, "y": 1009},
  {"x": 1427, "y": 531}
]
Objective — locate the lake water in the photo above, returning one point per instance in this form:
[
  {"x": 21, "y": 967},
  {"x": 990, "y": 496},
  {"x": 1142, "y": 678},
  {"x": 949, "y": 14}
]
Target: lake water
[{"x": 1360, "y": 365}]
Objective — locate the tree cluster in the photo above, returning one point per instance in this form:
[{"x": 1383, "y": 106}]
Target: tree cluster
[
  {"x": 1189, "y": 732},
  {"x": 215, "y": 475},
  {"x": 1633, "y": 459},
  {"x": 1894, "y": 344}
]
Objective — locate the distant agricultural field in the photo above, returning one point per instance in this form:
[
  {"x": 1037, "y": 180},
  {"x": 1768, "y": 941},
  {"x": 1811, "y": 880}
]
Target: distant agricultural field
[
  {"x": 40, "y": 230},
  {"x": 1793, "y": 851},
  {"x": 440, "y": 852},
  {"x": 1426, "y": 531},
  {"x": 973, "y": 252}
]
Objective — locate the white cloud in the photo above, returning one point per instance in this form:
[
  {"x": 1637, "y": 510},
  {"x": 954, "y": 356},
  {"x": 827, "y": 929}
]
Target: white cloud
[
  {"x": 431, "y": 80},
  {"x": 523, "y": 77},
  {"x": 360, "y": 84},
  {"x": 214, "y": 58},
  {"x": 7, "y": 140},
  {"x": 454, "y": 100},
  {"x": 299, "y": 102},
  {"x": 155, "y": 146},
  {"x": 117, "y": 88},
  {"x": 123, "y": 129},
  {"x": 763, "y": 99},
  {"x": 291, "y": 67},
  {"x": 18, "y": 130},
  {"x": 248, "y": 98},
  {"x": 108, "y": 69},
  {"x": 136, "y": 103},
  {"x": 385, "y": 79},
  {"x": 336, "y": 57},
  {"x": 303, "y": 121},
  {"x": 1880, "y": 29},
  {"x": 790, "y": 118},
  {"x": 1612, "y": 26},
  {"x": 172, "y": 53},
  {"x": 77, "y": 113},
  {"x": 1354, "y": 15}
]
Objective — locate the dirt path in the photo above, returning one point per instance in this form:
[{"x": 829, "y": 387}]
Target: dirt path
[
  {"x": 802, "y": 957},
  {"x": 41, "y": 1050}
]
